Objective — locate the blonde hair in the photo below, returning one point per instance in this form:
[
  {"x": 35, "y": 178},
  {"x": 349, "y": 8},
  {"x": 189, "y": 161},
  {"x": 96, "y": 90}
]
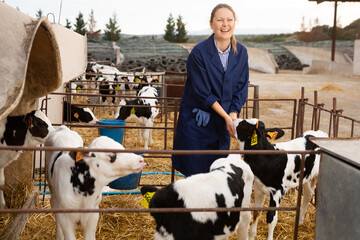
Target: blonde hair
[{"x": 224, "y": 5}]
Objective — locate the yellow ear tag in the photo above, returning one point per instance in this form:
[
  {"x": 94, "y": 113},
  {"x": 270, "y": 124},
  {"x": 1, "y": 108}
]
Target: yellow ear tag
[
  {"x": 254, "y": 139},
  {"x": 79, "y": 156},
  {"x": 146, "y": 199},
  {"x": 137, "y": 80},
  {"x": 117, "y": 87},
  {"x": 76, "y": 115},
  {"x": 132, "y": 111},
  {"x": 78, "y": 89},
  {"x": 272, "y": 135}
]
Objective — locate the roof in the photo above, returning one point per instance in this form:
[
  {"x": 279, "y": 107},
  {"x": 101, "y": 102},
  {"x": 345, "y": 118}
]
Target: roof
[{"x": 320, "y": 1}]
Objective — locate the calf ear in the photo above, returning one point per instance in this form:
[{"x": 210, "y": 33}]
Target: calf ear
[
  {"x": 77, "y": 156},
  {"x": 28, "y": 122},
  {"x": 274, "y": 133}
]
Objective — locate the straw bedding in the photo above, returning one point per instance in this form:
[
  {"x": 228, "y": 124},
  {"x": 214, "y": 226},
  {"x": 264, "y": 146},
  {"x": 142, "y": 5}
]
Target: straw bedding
[{"x": 142, "y": 225}]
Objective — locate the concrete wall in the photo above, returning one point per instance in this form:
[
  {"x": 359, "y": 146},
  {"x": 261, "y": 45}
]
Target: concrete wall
[
  {"x": 356, "y": 66},
  {"x": 262, "y": 60},
  {"x": 328, "y": 67},
  {"x": 306, "y": 55}
]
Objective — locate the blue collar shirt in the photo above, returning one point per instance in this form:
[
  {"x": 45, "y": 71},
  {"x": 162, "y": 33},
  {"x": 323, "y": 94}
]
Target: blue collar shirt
[{"x": 224, "y": 56}]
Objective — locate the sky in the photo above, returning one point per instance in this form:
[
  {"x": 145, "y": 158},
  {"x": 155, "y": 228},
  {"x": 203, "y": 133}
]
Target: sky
[{"x": 147, "y": 17}]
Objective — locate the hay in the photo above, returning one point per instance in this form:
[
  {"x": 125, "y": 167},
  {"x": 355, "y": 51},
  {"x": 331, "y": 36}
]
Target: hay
[
  {"x": 141, "y": 225},
  {"x": 331, "y": 87},
  {"x": 15, "y": 199}
]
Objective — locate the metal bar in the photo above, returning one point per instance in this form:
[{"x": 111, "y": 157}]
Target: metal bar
[{"x": 138, "y": 210}]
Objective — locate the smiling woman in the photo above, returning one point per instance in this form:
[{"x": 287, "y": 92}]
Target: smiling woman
[{"x": 214, "y": 93}]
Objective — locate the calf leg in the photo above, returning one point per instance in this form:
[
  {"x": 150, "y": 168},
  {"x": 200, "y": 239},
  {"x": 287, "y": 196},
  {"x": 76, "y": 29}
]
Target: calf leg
[
  {"x": 242, "y": 231},
  {"x": 150, "y": 136},
  {"x": 308, "y": 188},
  {"x": 272, "y": 216},
  {"x": 139, "y": 135},
  {"x": 259, "y": 201},
  {"x": 90, "y": 226},
  {"x": 65, "y": 227},
  {"x": 146, "y": 138},
  {"x": 59, "y": 235},
  {"x": 2, "y": 185}
]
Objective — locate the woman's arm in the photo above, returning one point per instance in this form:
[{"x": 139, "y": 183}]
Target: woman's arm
[{"x": 227, "y": 117}]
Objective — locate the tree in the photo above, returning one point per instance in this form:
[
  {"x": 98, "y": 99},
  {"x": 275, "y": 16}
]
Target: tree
[
  {"x": 38, "y": 14},
  {"x": 181, "y": 32},
  {"x": 68, "y": 24},
  {"x": 170, "y": 29},
  {"x": 92, "y": 22},
  {"x": 112, "y": 31},
  {"x": 302, "y": 26},
  {"x": 80, "y": 25}
]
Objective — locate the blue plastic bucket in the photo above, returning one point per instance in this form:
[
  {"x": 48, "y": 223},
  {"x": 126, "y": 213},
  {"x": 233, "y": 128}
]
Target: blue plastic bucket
[
  {"x": 127, "y": 182},
  {"x": 114, "y": 133}
]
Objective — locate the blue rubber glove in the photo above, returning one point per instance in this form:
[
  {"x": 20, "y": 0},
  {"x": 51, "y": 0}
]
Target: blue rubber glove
[{"x": 202, "y": 117}]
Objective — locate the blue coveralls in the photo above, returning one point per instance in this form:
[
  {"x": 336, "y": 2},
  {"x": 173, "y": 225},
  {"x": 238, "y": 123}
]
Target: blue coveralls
[{"x": 206, "y": 83}]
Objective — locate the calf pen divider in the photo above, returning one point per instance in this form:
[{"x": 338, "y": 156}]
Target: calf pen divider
[
  {"x": 333, "y": 122},
  {"x": 295, "y": 125},
  {"x": 26, "y": 210}
]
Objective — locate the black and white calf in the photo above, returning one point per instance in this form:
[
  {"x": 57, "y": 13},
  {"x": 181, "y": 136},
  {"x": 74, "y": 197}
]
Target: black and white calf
[
  {"x": 76, "y": 180},
  {"x": 228, "y": 184},
  {"x": 78, "y": 114},
  {"x": 28, "y": 130},
  {"x": 276, "y": 174},
  {"x": 144, "y": 116},
  {"x": 107, "y": 90}
]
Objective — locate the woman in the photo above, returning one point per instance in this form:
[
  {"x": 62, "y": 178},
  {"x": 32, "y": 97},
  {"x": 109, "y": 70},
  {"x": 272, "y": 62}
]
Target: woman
[{"x": 215, "y": 90}]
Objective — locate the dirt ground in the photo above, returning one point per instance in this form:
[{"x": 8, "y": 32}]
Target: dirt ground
[{"x": 288, "y": 84}]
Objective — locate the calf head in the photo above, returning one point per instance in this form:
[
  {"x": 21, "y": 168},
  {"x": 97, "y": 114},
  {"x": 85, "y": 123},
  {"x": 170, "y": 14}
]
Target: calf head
[
  {"x": 109, "y": 165},
  {"x": 39, "y": 127},
  {"x": 250, "y": 132},
  {"x": 86, "y": 115}
]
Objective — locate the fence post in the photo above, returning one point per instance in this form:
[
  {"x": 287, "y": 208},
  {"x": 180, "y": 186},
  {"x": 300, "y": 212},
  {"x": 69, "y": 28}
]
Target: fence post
[
  {"x": 334, "y": 118},
  {"x": 256, "y": 113},
  {"x": 314, "y": 124},
  {"x": 300, "y": 119}
]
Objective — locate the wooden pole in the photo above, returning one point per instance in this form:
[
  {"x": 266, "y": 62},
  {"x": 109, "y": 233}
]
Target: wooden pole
[{"x": 334, "y": 34}]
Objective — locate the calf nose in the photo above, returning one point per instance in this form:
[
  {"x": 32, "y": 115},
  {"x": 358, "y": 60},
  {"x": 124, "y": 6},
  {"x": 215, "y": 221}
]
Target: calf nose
[{"x": 141, "y": 160}]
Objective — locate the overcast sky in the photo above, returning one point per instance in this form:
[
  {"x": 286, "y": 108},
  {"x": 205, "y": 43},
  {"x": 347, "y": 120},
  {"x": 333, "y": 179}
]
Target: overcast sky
[{"x": 149, "y": 16}]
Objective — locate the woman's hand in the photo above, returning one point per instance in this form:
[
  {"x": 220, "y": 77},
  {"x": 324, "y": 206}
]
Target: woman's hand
[
  {"x": 233, "y": 115},
  {"x": 230, "y": 125}
]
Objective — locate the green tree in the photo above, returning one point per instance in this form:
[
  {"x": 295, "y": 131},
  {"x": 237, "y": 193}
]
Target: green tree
[
  {"x": 68, "y": 24},
  {"x": 112, "y": 31},
  {"x": 80, "y": 25},
  {"x": 39, "y": 14},
  {"x": 170, "y": 29},
  {"x": 181, "y": 32}
]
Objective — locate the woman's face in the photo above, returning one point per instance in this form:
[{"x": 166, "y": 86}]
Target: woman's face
[{"x": 223, "y": 24}]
